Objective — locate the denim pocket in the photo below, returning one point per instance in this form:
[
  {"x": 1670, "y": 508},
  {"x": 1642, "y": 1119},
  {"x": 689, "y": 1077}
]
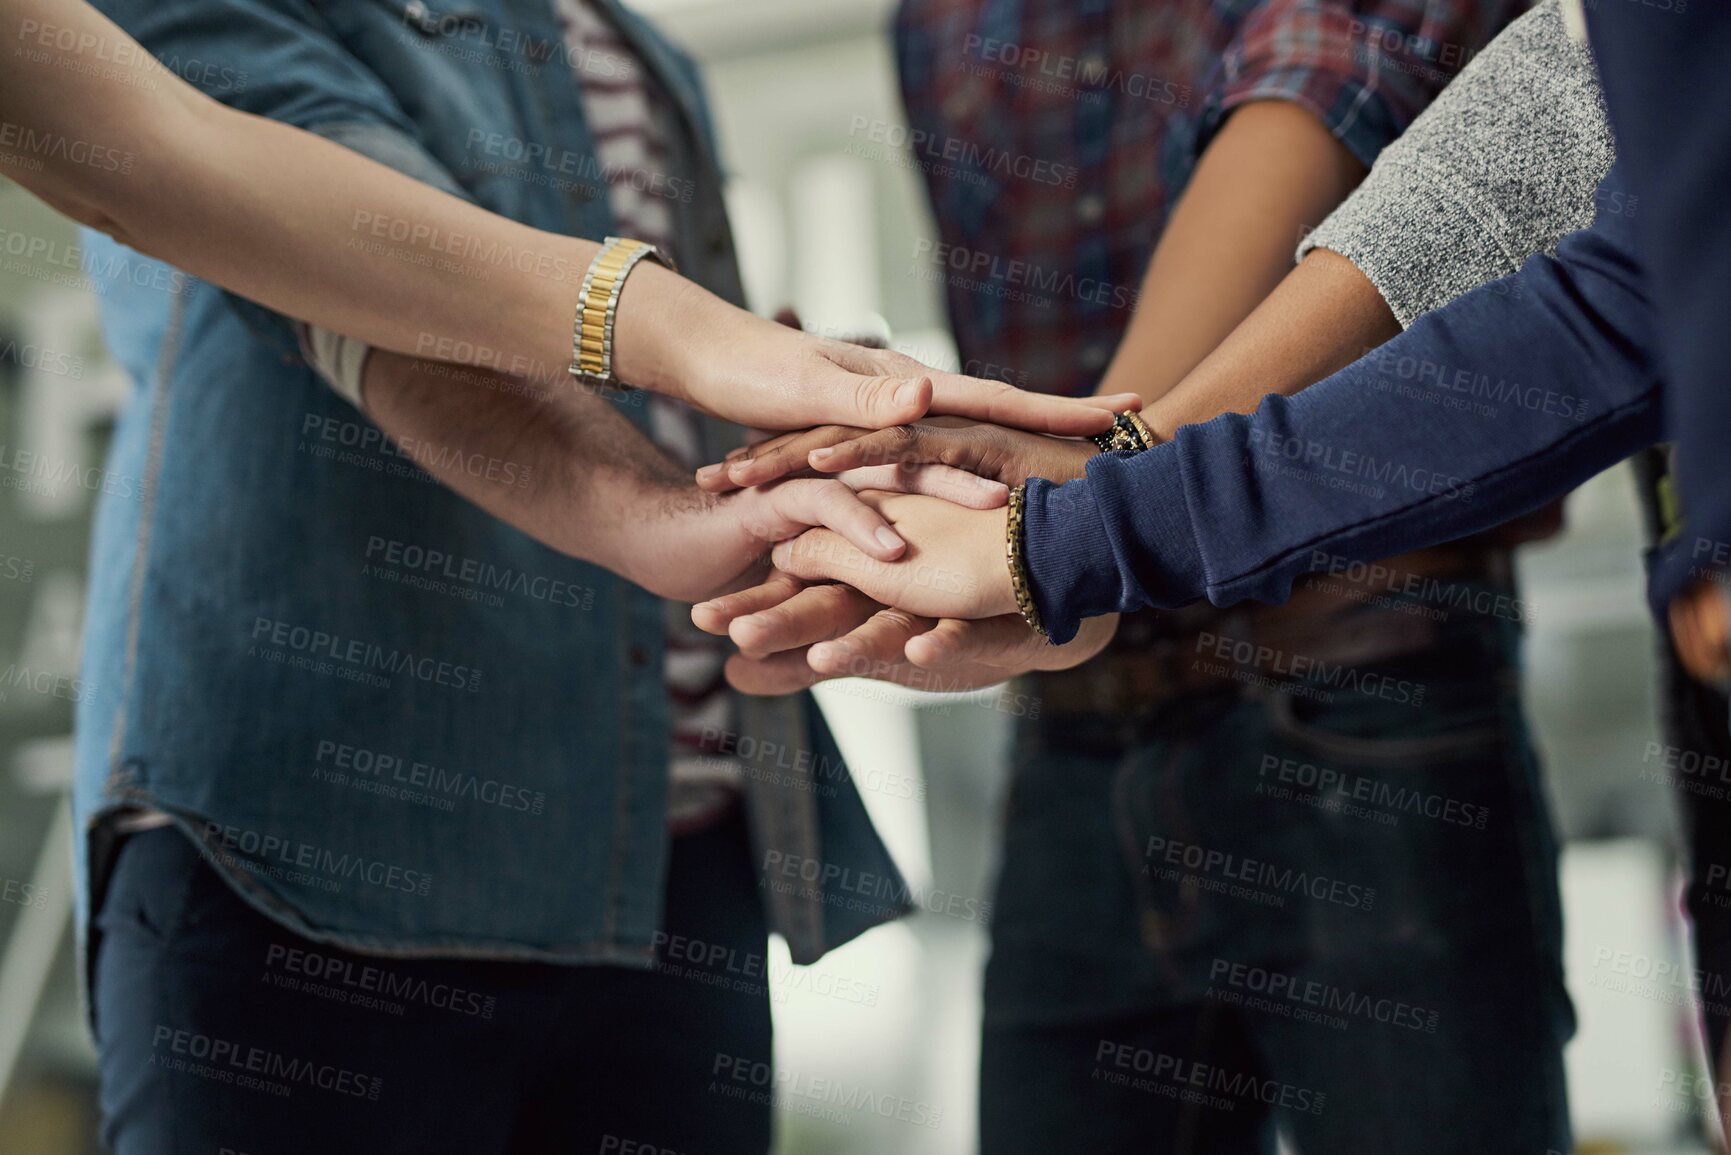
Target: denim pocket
[{"x": 154, "y": 875}]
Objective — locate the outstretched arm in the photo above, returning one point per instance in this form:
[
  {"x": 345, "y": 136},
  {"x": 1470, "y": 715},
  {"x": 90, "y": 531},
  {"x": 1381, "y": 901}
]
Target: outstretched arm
[
  {"x": 1273, "y": 170},
  {"x": 1480, "y": 411},
  {"x": 315, "y": 231},
  {"x": 1309, "y": 94},
  {"x": 1507, "y": 398},
  {"x": 565, "y": 467},
  {"x": 1445, "y": 210}
]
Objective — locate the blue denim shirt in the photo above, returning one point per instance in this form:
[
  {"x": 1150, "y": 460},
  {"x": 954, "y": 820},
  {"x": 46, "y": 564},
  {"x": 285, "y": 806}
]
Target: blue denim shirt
[{"x": 464, "y": 756}]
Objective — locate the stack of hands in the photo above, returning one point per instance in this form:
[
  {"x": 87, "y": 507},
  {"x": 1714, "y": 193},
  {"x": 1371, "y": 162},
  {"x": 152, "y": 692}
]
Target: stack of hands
[{"x": 938, "y": 610}]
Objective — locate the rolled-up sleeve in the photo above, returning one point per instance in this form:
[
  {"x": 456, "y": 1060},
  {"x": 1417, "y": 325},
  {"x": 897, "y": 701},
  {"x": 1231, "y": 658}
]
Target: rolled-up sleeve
[{"x": 1365, "y": 70}]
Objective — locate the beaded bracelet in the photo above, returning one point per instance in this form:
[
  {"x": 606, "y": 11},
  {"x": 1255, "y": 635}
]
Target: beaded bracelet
[{"x": 1128, "y": 432}]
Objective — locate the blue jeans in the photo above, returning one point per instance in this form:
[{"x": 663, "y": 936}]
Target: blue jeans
[
  {"x": 220, "y": 1030},
  {"x": 1249, "y": 908},
  {"x": 1697, "y": 758}
]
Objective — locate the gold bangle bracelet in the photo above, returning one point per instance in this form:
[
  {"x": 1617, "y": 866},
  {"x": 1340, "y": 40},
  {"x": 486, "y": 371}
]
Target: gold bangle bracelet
[{"x": 1019, "y": 583}]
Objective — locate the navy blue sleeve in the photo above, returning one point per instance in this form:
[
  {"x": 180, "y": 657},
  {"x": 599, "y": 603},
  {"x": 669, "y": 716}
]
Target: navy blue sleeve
[
  {"x": 1667, "y": 77},
  {"x": 1503, "y": 400}
]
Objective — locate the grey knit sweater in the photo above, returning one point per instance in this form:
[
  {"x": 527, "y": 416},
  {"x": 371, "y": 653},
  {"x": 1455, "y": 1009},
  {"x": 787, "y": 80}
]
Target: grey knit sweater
[{"x": 1500, "y": 166}]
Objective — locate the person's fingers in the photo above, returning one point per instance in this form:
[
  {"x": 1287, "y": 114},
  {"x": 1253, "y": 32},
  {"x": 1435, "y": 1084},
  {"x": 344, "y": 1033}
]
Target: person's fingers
[
  {"x": 963, "y": 448},
  {"x": 758, "y": 445},
  {"x": 996, "y": 402},
  {"x": 766, "y": 459},
  {"x": 714, "y": 479},
  {"x": 814, "y": 614},
  {"x": 820, "y": 555},
  {"x": 1001, "y": 641},
  {"x": 1000, "y": 404},
  {"x": 956, "y": 486},
  {"x": 801, "y": 502},
  {"x": 716, "y": 615},
  {"x": 874, "y": 401},
  {"x": 789, "y": 672},
  {"x": 870, "y": 650},
  {"x": 1683, "y": 638},
  {"x": 1698, "y": 633},
  {"x": 1005, "y": 644},
  {"x": 769, "y": 441},
  {"x": 757, "y": 437},
  {"x": 784, "y": 673},
  {"x": 761, "y": 464}
]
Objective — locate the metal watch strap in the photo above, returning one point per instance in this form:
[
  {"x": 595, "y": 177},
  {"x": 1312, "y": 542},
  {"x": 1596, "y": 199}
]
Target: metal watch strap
[{"x": 598, "y": 307}]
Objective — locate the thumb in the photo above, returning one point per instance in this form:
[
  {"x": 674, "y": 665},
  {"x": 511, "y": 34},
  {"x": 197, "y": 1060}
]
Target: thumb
[
  {"x": 1000, "y": 641},
  {"x": 880, "y": 402}
]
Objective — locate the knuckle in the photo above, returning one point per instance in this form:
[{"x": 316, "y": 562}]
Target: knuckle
[
  {"x": 898, "y": 619},
  {"x": 901, "y": 436},
  {"x": 773, "y": 620},
  {"x": 899, "y": 446},
  {"x": 832, "y": 597},
  {"x": 870, "y": 392}
]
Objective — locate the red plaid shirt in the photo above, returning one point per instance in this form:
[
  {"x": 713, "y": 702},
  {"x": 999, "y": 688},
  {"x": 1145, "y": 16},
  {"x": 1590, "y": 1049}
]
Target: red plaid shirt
[{"x": 1055, "y": 135}]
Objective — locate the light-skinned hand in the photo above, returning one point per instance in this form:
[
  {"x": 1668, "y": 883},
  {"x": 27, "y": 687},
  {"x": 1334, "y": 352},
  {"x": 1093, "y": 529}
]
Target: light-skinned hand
[
  {"x": 1010, "y": 456},
  {"x": 793, "y": 634}
]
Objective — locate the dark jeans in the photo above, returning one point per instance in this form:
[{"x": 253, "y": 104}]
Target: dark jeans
[
  {"x": 1250, "y": 909},
  {"x": 1697, "y": 759},
  {"x": 222, "y": 1032}
]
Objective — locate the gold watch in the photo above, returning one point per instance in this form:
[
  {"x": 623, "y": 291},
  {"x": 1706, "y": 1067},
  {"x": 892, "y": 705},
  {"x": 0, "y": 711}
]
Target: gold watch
[{"x": 598, "y": 305}]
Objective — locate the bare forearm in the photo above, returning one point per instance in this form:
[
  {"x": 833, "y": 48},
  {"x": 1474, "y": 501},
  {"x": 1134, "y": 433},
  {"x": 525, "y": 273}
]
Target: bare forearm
[
  {"x": 563, "y": 466},
  {"x": 361, "y": 249},
  {"x": 1273, "y": 170},
  {"x": 1321, "y": 318},
  {"x": 566, "y": 468},
  {"x": 304, "y": 226}
]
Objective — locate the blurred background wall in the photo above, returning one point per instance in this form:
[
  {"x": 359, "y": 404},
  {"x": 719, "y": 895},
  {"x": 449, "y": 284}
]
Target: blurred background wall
[{"x": 827, "y": 220}]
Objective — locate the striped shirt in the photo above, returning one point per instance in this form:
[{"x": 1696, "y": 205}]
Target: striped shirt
[{"x": 633, "y": 158}]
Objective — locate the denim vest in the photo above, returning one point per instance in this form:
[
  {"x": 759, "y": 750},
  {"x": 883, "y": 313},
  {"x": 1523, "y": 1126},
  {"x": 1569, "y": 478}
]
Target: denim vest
[{"x": 396, "y": 723}]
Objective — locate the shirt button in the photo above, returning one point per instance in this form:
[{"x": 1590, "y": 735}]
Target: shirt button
[
  {"x": 1091, "y": 67},
  {"x": 1090, "y": 208}
]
